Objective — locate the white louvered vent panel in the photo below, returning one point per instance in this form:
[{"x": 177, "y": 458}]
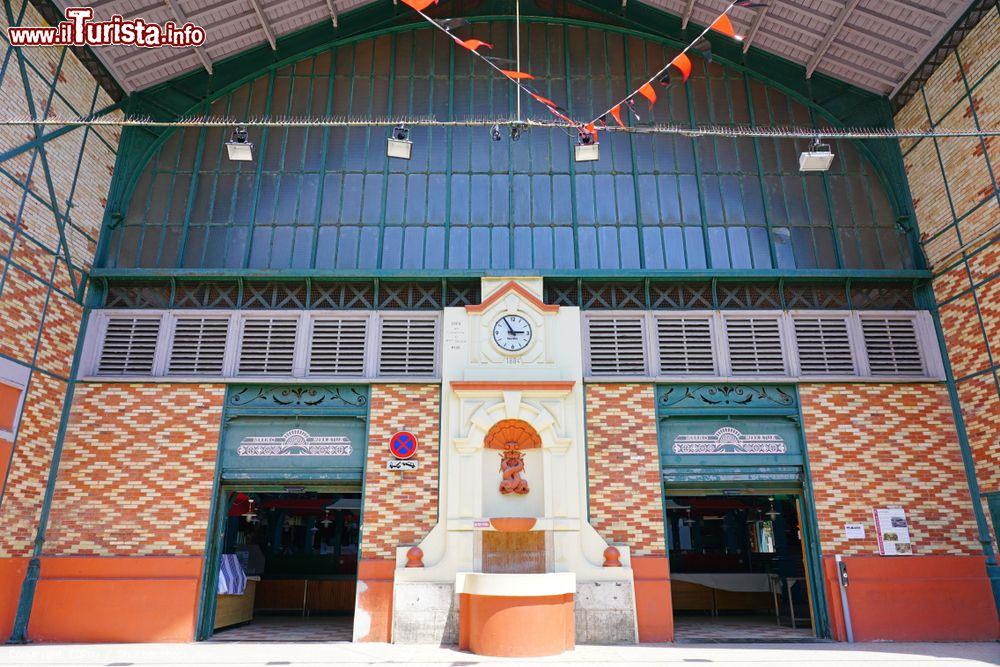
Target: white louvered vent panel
[
  {"x": 407, "y": 346},
  {"x": 755, "y": 346},
  {"x": 267, "y": 346},
  {"x": 129, "y": 346},
  {"x": 824, "y": 346},
  {"x": 617, "y": 346},
  {"x": 685, "y": 345},
  {"x": 338, "y": 347},
  {"x": 893, "y": 346},
  {"x": 199, "y": 346}
]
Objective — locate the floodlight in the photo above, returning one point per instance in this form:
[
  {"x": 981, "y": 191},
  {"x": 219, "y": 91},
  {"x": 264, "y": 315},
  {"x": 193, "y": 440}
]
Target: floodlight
[
  {"x": 239, "y": 146},
  {"x": 817, "y": 158},
  {"x": 398, "y": 145}
]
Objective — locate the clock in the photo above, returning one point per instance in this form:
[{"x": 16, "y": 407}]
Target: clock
[{"x": 512, "y": 333}]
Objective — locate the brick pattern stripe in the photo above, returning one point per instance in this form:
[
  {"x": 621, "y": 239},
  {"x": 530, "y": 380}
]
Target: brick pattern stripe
[
  {"x": 40, "y": 307},
  {"x": 887, "y": 445},
  {"x": 29, "y": 469},
  {"x": 400, "y": 508},
  {"x": 137, "y": 470},
  {"x": 625, "y": 488}
]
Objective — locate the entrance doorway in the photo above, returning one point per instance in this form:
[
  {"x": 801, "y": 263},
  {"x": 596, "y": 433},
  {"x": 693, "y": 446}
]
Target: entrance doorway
[
  {"x": 739, "y": 569},
  {"x": 287, "y": 565}
]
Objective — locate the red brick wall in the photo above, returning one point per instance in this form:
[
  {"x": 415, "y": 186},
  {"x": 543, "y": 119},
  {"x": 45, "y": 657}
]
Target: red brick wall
[
  {"x": 136, "y": 473},
  {"x": 40, "y": 304},
  {"x": 623, "y": 469},
  {"x": 958, "y": 207},
  {"x": 400, "y": 507},
  {"x": 887, "y": 445},
  {"x": 29, "y": 469}
]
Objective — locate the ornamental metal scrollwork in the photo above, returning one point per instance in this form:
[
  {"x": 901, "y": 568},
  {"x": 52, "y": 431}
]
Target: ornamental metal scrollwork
[
  {"x": 284, "y": 396},
  {"x": 725, "y": 395}
]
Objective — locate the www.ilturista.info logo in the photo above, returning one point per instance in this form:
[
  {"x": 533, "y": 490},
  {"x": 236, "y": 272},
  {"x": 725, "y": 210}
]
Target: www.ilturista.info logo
[{"x": 78, "y": 30}]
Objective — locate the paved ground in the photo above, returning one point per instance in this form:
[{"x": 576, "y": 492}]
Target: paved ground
[{"x": 314, "y": 655}]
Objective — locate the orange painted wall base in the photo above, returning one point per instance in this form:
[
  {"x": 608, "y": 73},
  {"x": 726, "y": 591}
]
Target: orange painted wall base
[
  {"x": 116, "y": 599},
  {"x": 12, "y": 571},
  {"x": 373, "y": 604},
  {"x": 653, "y": 611},
  {"x": 516, "y": 627},
  {"x": 913, "y": 598}
]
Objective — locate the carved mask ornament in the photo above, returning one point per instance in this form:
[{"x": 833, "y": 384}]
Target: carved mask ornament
[
  {"x": 511, "y": 436},
  {"x": 511, "y": 466}
]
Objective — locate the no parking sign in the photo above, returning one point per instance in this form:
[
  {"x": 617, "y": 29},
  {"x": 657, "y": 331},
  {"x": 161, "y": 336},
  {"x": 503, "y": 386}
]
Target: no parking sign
[{"x": 403, "y": 444}]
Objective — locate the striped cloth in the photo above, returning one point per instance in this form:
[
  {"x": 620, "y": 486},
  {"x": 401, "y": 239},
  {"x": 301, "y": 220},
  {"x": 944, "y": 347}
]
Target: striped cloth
[{"x": 232, "y": 579}]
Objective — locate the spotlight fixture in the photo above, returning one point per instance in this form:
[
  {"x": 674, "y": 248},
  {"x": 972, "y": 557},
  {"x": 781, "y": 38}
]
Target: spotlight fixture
[
  {"x": 587, "y": 149},
  {"x": 239, "y": 146},
  {"x": 495, "y": 133},
  {"x": 398, "y": 145},
  {"x": 817, "y": 158},
  {"x": 515, "y": 132}
]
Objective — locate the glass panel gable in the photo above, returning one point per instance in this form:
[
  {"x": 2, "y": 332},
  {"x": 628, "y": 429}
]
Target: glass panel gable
[{"x": 330, "y": 199}]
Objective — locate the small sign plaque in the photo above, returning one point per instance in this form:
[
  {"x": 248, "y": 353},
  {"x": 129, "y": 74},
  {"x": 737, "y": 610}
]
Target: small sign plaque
[
  {"x": 854, "y": 531},
  {"x": 398, "y": 464},
  {"x": 893, "y": 532}
]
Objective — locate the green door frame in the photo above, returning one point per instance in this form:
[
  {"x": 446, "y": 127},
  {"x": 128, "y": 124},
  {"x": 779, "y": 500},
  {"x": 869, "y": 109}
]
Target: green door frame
[
  {"x": 736, "y": 400},
  {"x": 278, "y": 402},
  {"x": 810, "y": 535},
  {"x": 217, "y": 530}
]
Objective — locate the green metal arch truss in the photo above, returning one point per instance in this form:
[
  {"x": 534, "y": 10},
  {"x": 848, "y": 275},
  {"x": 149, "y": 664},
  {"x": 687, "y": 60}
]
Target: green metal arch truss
[{"x": 836, "y": 102}]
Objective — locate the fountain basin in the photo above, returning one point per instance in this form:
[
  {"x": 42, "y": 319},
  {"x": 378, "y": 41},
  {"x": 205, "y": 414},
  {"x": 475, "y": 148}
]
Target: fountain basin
[
  {"x": 513, "y": 524},
  {"x": 516, "y": 615}
]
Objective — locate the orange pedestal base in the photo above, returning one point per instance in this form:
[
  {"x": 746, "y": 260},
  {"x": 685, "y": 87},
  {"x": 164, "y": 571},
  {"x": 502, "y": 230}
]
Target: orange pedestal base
[{"x": 516, "y": 627}]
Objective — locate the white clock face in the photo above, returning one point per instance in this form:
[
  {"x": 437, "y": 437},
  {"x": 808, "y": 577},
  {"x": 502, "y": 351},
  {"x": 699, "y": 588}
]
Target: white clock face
[{"x": 512, "y": 333}]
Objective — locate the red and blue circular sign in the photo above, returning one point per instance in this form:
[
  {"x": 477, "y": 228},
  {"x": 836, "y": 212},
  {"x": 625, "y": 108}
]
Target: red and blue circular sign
[{"x": 403, "y": 444}]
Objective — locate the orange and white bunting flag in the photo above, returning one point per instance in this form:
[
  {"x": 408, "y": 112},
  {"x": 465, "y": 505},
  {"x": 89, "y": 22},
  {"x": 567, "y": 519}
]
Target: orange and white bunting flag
[
  {"x": 725, "y": 26},
  {"x": 420, "y": 5},
  {"x": 616, "y": 113},
  {"x": 683, "y": 64},
  {"x": 472, "y": 44},
  {"x": 649, "y": 93},
  {"x": 516, "y": 75}
]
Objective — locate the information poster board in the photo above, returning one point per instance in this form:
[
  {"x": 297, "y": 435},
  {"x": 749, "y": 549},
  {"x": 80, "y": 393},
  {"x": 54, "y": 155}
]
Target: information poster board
[{"x": 893, "y": 532}]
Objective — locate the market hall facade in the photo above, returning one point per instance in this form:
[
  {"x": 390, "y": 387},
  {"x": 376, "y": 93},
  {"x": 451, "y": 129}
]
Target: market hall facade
[{"x": 685, "y": 392}]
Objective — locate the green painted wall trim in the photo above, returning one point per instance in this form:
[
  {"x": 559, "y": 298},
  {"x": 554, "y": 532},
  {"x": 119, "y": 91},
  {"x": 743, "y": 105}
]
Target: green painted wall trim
[{"x": 624, "y": 274}]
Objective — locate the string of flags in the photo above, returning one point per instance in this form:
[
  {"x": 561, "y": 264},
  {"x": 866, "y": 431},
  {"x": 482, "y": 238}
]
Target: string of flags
[{"x": 676, "y": 71}]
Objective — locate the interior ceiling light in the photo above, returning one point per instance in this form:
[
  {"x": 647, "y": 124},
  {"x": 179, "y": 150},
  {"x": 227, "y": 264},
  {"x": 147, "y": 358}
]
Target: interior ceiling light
[
  {"x": 398, "y": 145},
  {"x": 239, "y": 146},
  {"x": 772, "y": 512},
  {"x": 587, "y": 149},
  {"x": 817, "y": 158}
]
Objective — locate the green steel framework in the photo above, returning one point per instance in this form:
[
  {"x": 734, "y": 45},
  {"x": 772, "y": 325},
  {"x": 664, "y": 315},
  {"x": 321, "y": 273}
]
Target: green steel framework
[
  {"x": 847, "y": 106},
  {"x": 16, "y": 61},
  {"x": 829, "y": 101},
  {"x": 963, "y": 261}
]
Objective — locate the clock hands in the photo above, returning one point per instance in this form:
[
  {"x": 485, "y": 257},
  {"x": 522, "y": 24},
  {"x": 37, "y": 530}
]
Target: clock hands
[{"x": 512, "y": 332}]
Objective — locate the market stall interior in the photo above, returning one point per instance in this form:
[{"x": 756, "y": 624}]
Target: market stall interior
[
  {"x": 288, "y": 567},
  {"x": 738, "y": 568}
]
